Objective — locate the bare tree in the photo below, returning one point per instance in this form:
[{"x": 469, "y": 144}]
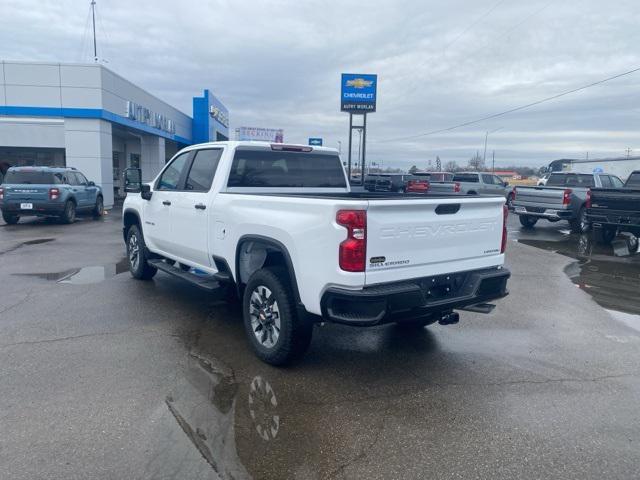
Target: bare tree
[
  {"x": 476, "y": 162},
  {"x": 451, "y": 166}
]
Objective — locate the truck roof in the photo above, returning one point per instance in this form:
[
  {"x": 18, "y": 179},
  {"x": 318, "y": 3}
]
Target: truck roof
[
  {"x": 43, "y": 168},
  {"x": 265, "y": 145}
]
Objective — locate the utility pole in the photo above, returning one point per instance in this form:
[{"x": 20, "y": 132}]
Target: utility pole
[
  {"x": 484, "y": 155},
  {"x": 493, "y": 162},
  {"x": 93, "y": 17},
  {"x": 628, "y": 152}
]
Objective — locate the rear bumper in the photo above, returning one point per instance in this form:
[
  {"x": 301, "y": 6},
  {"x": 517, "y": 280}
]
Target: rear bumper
[
  {"x": 619, "y": 218},
  {"x": 422, "y": 297},
  {"x": 39, "y": 208},
  {"x": 542, "y": 212}
]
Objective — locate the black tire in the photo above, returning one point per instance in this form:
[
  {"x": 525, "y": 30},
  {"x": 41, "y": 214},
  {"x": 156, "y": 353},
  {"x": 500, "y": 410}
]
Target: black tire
[
  {"x": 69, "y": 214},
  {"x": 605, "y": 234},
  {"x": 580, "y": 223},
  {"x": 98, "y": 208},
  {"x": 137, "y": 256},
  {"x": 10, "y": 219},
  {"x": 268, "y": 288},
  {"x": 527, "y": 221},
  {"x": 472, "y": 193}
]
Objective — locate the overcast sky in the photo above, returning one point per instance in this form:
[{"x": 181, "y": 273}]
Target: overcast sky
[{"x": 439, "y": 63}]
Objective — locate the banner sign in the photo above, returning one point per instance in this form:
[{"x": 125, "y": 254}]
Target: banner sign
[
  {"x": 316, "y": 142},
  {"x": 358, "y": 93},
  {"x": 273, "y": 135}
]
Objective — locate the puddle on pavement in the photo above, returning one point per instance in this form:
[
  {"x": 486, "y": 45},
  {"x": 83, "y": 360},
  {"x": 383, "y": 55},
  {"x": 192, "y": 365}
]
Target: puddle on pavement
[
  {"x": 610, "y": 274},
  {"x": 36, "y": 241},
  {"x": 84, "y": 275}
]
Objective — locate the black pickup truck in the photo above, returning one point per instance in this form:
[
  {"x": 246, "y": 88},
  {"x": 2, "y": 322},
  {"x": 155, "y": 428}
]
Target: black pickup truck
[{"x": 614, "y": 210}]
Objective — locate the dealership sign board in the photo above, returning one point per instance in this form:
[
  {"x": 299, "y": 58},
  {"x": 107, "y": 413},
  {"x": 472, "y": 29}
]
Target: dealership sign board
[
  {"x": 274, "y": 135},
  {"x": 142, "y": 114},
  {"x": 316, "y": 142},
  {"x": 358, "y": 93}
]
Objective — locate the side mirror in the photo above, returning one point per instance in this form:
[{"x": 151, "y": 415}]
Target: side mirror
[
  {"x": 132, "y": 180},
  {"x": 91, "y": 184},
  {"x": 506, "y": 184},
  {"x": 145, "y": 191}
]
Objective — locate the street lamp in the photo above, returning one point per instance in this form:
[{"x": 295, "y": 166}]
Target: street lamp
[{"x": 486, "y": 136}]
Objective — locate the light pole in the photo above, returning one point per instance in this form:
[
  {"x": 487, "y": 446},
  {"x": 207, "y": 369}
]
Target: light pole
[{"x": 486, "y": 136}]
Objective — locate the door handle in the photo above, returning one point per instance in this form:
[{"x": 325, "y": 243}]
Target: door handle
[
  {"x": 166, "y": 202},
  {"x": 200, "y": 206}
]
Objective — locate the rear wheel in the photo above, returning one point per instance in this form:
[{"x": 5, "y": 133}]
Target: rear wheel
[
  {"x": 528, "y": 222},
  {"x": 580, "y": 223},
  {"x": 276, "y": 333},
  {"x": 69, "y": 213},
  {"x": 510, "y": 201},
  {"x": 10, "y": 219},
  {"x": 98, "y": 209},
  {"x": 605, "y": 234},
  {"x": 137, "y": 256}
]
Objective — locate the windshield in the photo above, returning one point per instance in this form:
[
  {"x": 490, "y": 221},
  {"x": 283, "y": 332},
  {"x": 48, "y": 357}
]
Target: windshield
[
  {"x": 266, "y": 168},
  {"x": 32, "y": 177}
]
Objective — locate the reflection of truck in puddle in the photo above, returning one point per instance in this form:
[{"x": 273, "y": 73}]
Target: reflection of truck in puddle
[{"x": 613, "y": 282}]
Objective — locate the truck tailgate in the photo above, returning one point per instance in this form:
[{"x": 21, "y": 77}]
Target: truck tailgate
[
  {"x": 621, "y": 199},
  {"x": 408, "y": 239},
  {"x": 546, "y": 197}
]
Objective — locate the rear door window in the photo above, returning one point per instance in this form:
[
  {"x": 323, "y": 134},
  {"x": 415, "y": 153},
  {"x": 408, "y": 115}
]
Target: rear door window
[
  {"x": 617, "y": 183},
  {"x": 466, "y": 177},
  {"x": 203, "y": 169}
]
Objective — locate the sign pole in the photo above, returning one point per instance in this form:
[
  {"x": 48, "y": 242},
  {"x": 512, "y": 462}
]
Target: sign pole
[
  {"x": 350, "y": 134},
  {"x": 364, "y": 145}
]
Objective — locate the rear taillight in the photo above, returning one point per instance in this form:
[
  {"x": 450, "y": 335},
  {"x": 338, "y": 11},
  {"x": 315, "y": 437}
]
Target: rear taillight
[
  {"x": 456, "y": 187},
  {"x": 588, "y": 202},
  {"x": 505, "y": 214},
  {"x": 513, "y": 194},
  {"x": 566, "y": 196},
  {"x": 1, "y": 193},
  {"x": 54, "y": 193},
  {"x": 353, "y": 251}
]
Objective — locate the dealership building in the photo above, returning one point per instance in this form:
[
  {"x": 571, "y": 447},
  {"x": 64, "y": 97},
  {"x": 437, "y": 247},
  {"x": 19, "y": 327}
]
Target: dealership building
[{"x": 88, "y": 117}]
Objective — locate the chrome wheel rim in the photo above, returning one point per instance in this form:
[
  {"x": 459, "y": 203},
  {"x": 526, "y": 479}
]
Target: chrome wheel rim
[
  {"x": 583, "y": 221},
  {"x": 265, "y": 316},
  {"x": 134, "y": 252}
]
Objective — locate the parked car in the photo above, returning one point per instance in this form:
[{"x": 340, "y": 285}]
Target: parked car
[
  {"x": 615, "y": 208},
  {"x": 564, "y": 197},
  {"x": 421, "y": 182},
  {"x": 279, "y": 225},
  {"x": 542, "y": 181},
  {"x": 48, "y": 192},
  {"x": 393, "y": 182},
  {"x": 475, "y": 183}
]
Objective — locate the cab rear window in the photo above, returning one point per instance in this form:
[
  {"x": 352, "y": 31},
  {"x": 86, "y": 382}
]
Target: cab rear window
[
  {"x": 285, "y": 169},
  {"x": 633, "y": 181},
  {"x": 32, "y": 177},
  {"x": 571, "y": 180}
]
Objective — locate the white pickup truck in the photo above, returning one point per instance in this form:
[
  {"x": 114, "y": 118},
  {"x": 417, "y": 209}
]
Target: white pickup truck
[{"x": 279, "y": 225}]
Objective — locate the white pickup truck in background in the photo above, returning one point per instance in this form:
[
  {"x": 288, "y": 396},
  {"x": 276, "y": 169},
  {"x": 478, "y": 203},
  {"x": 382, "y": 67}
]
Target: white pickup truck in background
[{"x": 279, "y": 225}]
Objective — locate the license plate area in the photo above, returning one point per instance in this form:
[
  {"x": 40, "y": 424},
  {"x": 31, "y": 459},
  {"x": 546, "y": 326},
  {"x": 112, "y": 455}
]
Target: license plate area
[
  {"x": 443, "y": 286},
  {"x": 26, "y": 206}
]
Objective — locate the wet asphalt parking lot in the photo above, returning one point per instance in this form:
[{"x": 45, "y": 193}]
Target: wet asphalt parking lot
[{"x": 106, "y": 377}]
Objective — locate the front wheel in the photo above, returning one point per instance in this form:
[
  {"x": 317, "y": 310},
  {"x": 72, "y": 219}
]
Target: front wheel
[
  {"x": 137, "y": 257},
  {"x": 10, "y": 219},
  {"x": 510, "y": 201},
  {"x": 98, "y": 209},
  {"x": 276, "y": 333},
  {"x": 528, "y": 222}
]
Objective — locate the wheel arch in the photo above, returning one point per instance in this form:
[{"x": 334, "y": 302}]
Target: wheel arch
[
  {"x": 129, "y": 217},
  {"x": 266, "y": 251}
]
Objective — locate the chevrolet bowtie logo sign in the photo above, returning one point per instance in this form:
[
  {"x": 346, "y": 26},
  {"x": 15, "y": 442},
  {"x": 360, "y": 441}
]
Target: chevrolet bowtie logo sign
[
  {"x": 359, "y": 83},
  {"x": 358, "y": 93}
]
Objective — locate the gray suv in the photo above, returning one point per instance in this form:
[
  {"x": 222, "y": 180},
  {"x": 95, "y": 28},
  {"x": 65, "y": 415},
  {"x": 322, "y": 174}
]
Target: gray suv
[{"x": 48, "y": 192}]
